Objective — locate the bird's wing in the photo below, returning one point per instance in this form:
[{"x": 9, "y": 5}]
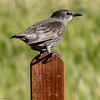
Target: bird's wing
[{"x": 47, "y": 31}]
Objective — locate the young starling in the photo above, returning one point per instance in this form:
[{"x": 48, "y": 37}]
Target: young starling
[{"x": 47, "y": 33}]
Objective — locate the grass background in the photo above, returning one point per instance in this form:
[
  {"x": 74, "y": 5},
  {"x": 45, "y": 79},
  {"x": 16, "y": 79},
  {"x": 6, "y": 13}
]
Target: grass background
[{"x": 79, "y": 48}]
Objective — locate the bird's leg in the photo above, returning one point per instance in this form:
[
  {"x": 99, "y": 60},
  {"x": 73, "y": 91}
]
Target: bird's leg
[
  {"x": 52, "y": 51},
  {"x": 48, "y": 48}
]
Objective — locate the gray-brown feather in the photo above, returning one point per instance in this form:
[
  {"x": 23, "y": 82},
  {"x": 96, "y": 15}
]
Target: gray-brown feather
[{"x": 42, "y": 34}]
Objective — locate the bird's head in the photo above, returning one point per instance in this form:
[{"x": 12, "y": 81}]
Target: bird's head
[{"x": 65, "y": 15}]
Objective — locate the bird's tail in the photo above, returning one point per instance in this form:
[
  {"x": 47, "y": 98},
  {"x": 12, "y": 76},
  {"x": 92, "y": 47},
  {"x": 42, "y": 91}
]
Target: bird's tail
[
  {"x": 13, "y": 37},
  {"x": 21, "y": 36}
]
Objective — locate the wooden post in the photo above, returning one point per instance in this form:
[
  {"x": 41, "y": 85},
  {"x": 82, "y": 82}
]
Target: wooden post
[{"x": 47, "y": 77}]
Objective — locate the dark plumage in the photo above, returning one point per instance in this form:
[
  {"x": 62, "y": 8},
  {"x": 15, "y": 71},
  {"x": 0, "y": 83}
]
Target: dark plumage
[{"x": 47, "y": 33}]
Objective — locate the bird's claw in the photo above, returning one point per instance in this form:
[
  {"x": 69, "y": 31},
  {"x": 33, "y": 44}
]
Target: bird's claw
[{"x": 55, "y": 52}]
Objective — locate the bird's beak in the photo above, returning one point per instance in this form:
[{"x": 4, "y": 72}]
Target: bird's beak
[{"x": 76, "y": 14}]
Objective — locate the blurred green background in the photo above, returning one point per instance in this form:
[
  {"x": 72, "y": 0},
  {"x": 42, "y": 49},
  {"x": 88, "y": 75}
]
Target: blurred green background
[{"x": 79, "y": 48}]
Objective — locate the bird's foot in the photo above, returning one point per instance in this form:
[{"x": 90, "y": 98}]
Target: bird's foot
[{"x": 55, "y": 52}]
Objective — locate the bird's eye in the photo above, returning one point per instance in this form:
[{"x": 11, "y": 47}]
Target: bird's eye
[{"x": 68, "y": 13}]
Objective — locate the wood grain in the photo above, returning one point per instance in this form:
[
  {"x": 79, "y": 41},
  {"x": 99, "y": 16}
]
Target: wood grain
[{"x": 47, "y": 77}]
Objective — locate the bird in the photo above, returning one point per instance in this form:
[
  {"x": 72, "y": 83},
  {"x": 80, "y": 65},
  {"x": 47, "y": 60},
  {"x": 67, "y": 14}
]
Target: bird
[{"x": 47, "y": 33}]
